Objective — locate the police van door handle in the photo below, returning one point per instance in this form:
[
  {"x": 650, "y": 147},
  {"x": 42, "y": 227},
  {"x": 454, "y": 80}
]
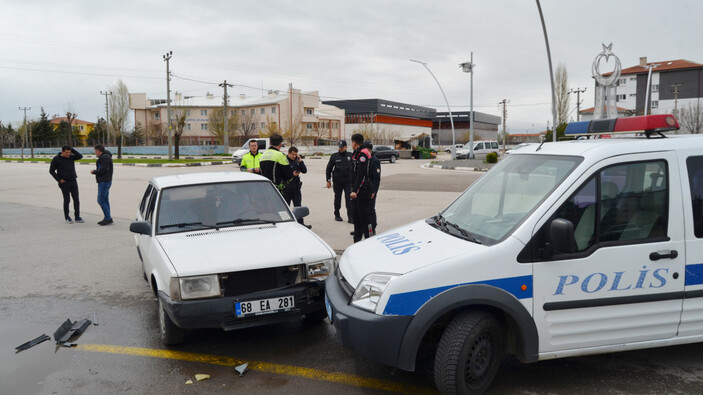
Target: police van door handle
[{"x": 671, "y": 254}]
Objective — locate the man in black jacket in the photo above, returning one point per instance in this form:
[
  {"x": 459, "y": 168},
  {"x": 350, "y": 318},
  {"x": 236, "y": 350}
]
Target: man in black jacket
[
  {"x": 338, "y": 173},
  {"x": 63, "y": 169},
  {"x": 103, "y": 176},
  {"x": 293, "y": 187},
  {"x": 362, "y": 188},
  {"x": 375, "y": 175}
]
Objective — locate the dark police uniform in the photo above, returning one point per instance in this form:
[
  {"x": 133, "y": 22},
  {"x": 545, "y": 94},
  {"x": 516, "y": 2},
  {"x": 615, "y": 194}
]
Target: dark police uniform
[
  {"x": 375, "y": 175},
  {"x": 339, "y": 173},
  {"x": 363, "y": 186},
  {"x": 293, "y": 187}
]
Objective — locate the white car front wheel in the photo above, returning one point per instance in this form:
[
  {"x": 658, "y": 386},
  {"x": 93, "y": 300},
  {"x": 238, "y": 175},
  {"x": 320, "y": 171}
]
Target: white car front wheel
[{"x": 171, "y": 334}]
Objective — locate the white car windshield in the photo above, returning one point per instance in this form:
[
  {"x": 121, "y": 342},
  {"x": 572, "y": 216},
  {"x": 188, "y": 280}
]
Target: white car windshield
[
  {"x": 495, "y": 204},
  {"x": 205, "y": 206}
]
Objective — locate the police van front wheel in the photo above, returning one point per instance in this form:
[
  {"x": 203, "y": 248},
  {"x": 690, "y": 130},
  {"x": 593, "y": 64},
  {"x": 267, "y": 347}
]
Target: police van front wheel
[{"x": 469, "y": 354}]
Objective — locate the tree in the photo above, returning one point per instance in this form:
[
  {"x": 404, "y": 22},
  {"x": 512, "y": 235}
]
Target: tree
[
  {"x": 99, "y": 133},
  {"x": 119, "y": 110},
  {"x": 270, "y": 128},
  {"x": 180, "y": 123},
  {"x": 156, "y": 133},
  {"x": 562, "y": 94},
  {"x": 216, "y": 123},
  {"x": 68, "y": 131},
  {"x": 560, "y": 133},
  {"x": 43, "y": 130},
  {"x": 691, "y": 118},
  {"x": 247, "y": 123},
  {"x": 138, "y": 136},
  {"x": 295, "y": 131}
]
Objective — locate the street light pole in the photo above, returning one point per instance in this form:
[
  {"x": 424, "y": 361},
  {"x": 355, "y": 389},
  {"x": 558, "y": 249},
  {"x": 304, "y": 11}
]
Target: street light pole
[
  {"x": 551, "y": 73},
  {"x": 166, "y": 58},
  {"x": 451, "y": 117},
  {"x": 469, "y": 68}
]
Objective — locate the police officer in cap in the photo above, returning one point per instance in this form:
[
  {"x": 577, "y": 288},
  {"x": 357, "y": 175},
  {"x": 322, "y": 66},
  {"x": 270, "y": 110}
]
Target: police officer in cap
[
  {"x": 338, "y": 174},
  {"x": 362, "y": 188}
]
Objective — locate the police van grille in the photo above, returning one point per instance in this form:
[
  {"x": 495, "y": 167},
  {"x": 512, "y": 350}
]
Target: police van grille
[
  {"x": 251, "y": 281},
  {"x": 227, "y": 230}
]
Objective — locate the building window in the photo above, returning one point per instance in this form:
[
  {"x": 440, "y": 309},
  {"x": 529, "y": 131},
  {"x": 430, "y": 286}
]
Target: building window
[
  {"x": 655, "y": 88},
  {"x": 655, "y": 103},
  {"x": 633, "y": 94},
  {"x": 203, "y": 113},
  {"x": 309, "y": 111},
  {"x": 187, "y": 126},
  {"x": 273, "y": 110},
  {"x": 157, "y": 115},
  {"x": 620, "y": 97},
  {"x": 243, "y": 112},
  {"x": 263, "y": 125},
  {"x": 80, "y": 127},
  {"x": 309, "y": 126},
  {"x": 203, "y": 126},
  {"x": 232, "y": 112},
  {"x": 253, "y": 111},
  {"x": 263, "y": 111},
  {"x": 622, "y": 81},
  {"x": 633, "y": 78},
  {"x": 253, "y": 125},
  {"x": 187, "y": 113}
]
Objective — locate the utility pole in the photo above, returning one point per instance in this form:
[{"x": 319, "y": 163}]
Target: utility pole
[
  {"x": 675, "y": 91},
  {"x": 225, "y": 132},
  {"x": 505, "y": 116},
  {"x": 469, "y": 68},
  {"x": 166, "y": 58},
  {"x": 107, "y": 115},
  {"x": 24, "y": 139},
  {"x": 578, "y": 92}
]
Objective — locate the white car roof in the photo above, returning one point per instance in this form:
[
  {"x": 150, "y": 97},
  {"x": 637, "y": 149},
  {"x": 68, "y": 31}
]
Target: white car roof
[
  {"x": 204, "y": 178},
  {"x": 604, "y": 148}
]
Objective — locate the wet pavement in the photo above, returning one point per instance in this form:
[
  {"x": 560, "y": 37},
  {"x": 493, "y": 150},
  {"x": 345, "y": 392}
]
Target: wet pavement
[{"x": 52, "y": 271}]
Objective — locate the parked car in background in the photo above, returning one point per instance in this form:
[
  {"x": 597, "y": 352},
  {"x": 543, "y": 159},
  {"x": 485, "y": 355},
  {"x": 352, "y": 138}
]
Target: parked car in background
[
  {"x": 456, "y": 146},
  {"x": 384, "y": 152},
  {"x": 480, "y": 148},
  {"x": 224, "y": 250},
  {"x": 239, "y": 153}
]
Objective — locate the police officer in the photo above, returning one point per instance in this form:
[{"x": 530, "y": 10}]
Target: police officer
[
  {"x": 375, "y": 175},
  {"x": 338, "y": 173},
  {"x": 274, "y": 164},
  {"x": 250, "y": 160},
  {"x": 362, "y": 188},
  {"x": 293, "y": 187}
]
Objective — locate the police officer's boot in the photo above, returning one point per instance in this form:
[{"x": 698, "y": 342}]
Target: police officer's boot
[{"x": 337, "y": 217}]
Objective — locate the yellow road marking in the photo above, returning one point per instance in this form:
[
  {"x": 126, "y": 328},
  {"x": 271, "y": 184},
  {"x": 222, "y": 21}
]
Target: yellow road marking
[{"x": 268, "y": 367}]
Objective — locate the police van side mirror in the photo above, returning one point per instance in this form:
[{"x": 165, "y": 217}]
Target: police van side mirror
[
  {"x": 140, "y": 227},
  {"x": 561, "y": 236},
  {"x": 300, "y": 212}
]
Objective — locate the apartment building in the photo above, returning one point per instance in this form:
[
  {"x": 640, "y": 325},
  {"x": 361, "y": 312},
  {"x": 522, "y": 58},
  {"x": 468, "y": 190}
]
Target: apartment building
[{"x": 293, "y": 110}]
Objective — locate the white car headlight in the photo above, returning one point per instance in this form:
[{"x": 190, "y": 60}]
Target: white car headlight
[
  {"x": 370, "y": 289},
  {"x": 320, "y": 270},
  {"x": 197, "y": 287}
]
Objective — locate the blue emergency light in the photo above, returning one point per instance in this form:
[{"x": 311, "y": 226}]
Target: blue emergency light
[{"x": 643, "y": 124}]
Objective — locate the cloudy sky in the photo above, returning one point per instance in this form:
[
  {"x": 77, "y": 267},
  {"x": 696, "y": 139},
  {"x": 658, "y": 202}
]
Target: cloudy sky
[{"x": 60, "y": 55}]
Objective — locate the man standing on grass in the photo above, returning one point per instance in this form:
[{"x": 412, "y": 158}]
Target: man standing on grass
[
  {"x": 63, "y": 169},
  {"x": 103, "y": 176}
]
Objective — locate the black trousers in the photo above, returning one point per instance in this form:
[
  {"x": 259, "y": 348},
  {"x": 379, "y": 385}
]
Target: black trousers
[
  {"x": 69, "y": 189},
  {"x": 293, "y": 194},
  {"x": 373, "y": 213},
  {"x": 362, "y": 218},
  {"x": 339, "y": 187}
]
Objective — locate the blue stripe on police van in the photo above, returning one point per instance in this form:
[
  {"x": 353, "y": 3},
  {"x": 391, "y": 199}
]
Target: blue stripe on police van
[
  {"x": 694, "y": 274},
  {"x": 409, "y": 303}
]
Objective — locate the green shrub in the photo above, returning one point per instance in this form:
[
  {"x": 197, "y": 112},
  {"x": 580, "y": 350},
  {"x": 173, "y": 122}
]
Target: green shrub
[{"x": 491, "y": 157}]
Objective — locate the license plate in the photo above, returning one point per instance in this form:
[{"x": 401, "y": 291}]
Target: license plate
[
  {"x": 264, "y": 306},
  {"x": 329, "y": 308}
]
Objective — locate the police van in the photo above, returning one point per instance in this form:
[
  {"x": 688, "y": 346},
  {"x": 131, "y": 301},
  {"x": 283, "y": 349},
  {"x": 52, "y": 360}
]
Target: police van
[{"x": 562, "y": 249}]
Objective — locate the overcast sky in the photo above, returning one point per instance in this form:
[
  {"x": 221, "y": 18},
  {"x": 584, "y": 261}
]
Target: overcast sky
[{"x": 61, "y": 54}]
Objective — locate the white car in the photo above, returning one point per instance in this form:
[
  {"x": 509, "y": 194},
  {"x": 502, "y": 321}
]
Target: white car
[
  {"x": 480, "y": 148},
  {"x": 457, "y": 147},
  {"x": 223, "y": 250},
  {"x": 560, "y": 250},
  {"x": 239, "y": 153}
]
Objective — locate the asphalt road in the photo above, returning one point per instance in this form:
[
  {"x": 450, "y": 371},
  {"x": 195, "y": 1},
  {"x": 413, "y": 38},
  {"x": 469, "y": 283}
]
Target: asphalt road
[{"x": 51, "y": 271}]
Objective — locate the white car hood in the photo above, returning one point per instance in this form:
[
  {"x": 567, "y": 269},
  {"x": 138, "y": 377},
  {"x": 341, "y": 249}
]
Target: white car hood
[
  {"x": 243, "y": 248},
  {"x": 402, "y": 250}
]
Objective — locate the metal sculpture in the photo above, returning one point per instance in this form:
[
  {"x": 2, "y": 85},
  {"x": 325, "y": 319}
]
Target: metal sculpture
[{"x": 606, "y": 86}]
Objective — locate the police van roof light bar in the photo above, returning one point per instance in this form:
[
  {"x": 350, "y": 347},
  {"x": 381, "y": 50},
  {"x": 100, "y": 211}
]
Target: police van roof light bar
[{"x": 648, "y": 125}]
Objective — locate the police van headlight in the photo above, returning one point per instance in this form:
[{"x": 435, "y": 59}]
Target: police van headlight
[
  {"x": 320, "y": 270},
  {"x": 370, "y": 289},
  {"x": 197, "y": 287}
]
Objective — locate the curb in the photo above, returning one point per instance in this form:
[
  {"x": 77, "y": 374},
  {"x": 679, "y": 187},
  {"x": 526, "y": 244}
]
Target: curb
[
  {"x": 214, "y": 163},
  {"x": 433, "y": 166}
]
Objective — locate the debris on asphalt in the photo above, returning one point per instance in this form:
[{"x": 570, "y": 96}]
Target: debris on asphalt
[
  {"x": 189, "y": 381},
  {"x": 200, "y": 377},
  {"x": 69, "y": 329},
  {"x": 241, "y": 369},
  {"x": 32, "y": 343},
  {"x": 70, "y": 344},
  {"x": 95, "y": 319}
]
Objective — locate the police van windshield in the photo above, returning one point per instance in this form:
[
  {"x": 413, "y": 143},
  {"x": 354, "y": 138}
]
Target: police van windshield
[{"x": 495, "y": 204}]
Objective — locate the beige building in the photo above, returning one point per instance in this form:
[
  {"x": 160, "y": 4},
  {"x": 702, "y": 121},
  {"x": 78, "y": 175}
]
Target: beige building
[{"x": 293, "y": 113}]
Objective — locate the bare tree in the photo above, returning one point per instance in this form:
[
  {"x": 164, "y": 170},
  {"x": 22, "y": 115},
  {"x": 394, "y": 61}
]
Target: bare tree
[
  {"x": 156, "y": 133},
  {"x": 180, "y": 123},
  {"x": 270, "y": 129},
  {"x": 562, "y": 94},
  {"x": 691, "y": 118},
  {"x": 70, "y": 117},
  {"x": 216, "y": 123},
  {"x": 119, "y": 110},
  {"x": 247, "y": 123},
  {"x": 295, "y": 131}
]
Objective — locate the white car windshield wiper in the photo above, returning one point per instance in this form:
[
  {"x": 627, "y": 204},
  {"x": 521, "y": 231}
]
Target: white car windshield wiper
[
  {"x": 180, "y": 225},
  {"x": 238, "y": 221}
]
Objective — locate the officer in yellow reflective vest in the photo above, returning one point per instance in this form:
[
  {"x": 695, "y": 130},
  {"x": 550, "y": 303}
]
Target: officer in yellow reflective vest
[
  {"x": 250, "y": 160},
  {"x": 274, "y": 164}
]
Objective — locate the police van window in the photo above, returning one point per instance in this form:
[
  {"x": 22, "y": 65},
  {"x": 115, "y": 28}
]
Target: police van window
[
  {"x": 695, "y": 181},
  {"x": 581, "y": 210}
]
